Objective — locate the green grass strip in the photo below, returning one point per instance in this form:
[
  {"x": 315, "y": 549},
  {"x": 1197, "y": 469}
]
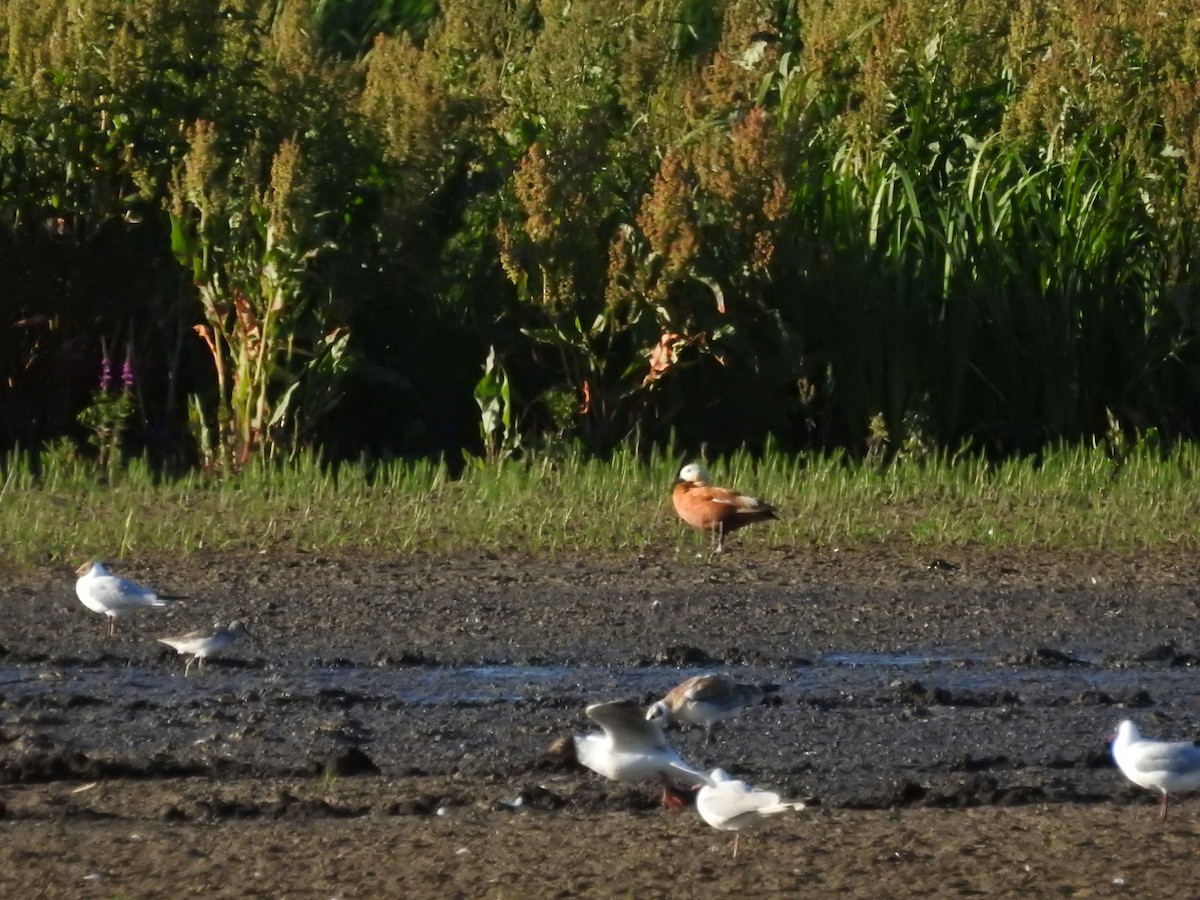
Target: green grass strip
[{"x": 1073, "y": 499}]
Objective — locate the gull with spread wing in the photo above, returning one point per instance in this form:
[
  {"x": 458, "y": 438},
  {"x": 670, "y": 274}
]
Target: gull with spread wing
[{"x": 630, "y": 749}]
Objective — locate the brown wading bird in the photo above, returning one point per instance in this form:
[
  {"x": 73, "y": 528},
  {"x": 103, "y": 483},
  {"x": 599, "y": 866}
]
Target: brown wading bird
[
  {"x": 199, "y": 645},
  {"x": 715, "y": 509},
  {"x": 706, "y": 700}
]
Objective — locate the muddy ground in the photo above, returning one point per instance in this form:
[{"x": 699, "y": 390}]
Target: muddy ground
[{"x": 945, "y": 717}]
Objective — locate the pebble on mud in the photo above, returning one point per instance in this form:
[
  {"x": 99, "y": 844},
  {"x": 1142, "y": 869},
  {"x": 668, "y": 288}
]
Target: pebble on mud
[
  {"x": 345, "y": 763},
  {"x": 171, "y": 813}
]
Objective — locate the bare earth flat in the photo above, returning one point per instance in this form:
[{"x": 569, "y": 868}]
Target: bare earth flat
[{"x": 945, "y": 716}]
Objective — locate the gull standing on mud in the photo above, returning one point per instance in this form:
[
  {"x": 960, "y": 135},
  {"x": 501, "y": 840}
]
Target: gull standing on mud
[
  {"x": 202, "y": 644},
  {"x": 101, "y": 591},
  {"x": 1170, "y": 767},
  {"x": 706, "y": 700},
  {"x": 731, "y": 805},
  {"x": 631, "y": 749},
  {"x": 715, "y": 509}
]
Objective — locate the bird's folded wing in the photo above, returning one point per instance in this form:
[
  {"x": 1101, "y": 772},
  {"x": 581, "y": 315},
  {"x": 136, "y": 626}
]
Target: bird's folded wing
[
  {"x": 735, "y": 798},
  {"x": 709, "y": 690},
  {"x": 782, "y": 807},
  {"x": 119, "y": 594},
  {"x": 1153, "y": 756}
]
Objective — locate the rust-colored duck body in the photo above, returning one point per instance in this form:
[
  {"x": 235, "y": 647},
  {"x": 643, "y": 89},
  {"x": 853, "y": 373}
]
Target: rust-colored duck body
[{"x": 716, "y": 510}]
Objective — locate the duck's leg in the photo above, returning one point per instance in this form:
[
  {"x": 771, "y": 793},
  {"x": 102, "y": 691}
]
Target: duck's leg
[
  {"x": 718, "y": 543},
  {"x": 1162, "y": 809}
]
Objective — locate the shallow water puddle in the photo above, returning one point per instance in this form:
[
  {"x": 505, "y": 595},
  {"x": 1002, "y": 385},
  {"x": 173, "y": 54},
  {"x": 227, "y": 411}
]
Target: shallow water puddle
[
  {"x": 937, "y": 720},
  {"x": 24, "y": 685}
]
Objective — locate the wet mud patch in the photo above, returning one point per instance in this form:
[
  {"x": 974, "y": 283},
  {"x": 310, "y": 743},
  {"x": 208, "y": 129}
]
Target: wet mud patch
[{"x": 946, "y": 724}]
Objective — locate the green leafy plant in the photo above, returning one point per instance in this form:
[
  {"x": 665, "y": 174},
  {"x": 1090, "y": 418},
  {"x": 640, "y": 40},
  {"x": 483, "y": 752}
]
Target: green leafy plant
[
  {"x": 499, "y": 433},
  {"x": 248, "y": 246}
]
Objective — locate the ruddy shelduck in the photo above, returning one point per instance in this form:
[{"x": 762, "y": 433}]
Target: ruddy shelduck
[
  {"x": 728, "y": 804},
  {"x": 101, "y": 591},
  {"x": 1170, "y": 767},
  {"x": 715, "y": 509},
  {"x": 706, "y": 700}
]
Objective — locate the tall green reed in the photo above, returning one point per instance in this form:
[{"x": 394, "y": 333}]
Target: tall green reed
[{"x": 1014, "y": 300}]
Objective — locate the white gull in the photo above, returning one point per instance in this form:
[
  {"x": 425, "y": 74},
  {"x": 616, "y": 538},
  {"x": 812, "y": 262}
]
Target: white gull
[
  {"x": 630, "y": 749},
  {"x": 101, "y": 591},
  {"x": 1170, "y": 767},
  {"x": 728, "y": 804}
]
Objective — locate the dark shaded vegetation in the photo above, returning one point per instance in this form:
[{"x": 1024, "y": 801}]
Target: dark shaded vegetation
[{"x": 407, "y": 228}]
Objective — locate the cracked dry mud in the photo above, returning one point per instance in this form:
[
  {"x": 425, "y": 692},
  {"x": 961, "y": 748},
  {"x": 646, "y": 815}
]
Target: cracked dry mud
[{"x": 945, "y": 716}]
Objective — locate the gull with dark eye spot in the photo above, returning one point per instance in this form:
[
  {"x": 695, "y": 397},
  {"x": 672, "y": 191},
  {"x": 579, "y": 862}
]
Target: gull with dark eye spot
[{"x": 103, "y": 592}]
